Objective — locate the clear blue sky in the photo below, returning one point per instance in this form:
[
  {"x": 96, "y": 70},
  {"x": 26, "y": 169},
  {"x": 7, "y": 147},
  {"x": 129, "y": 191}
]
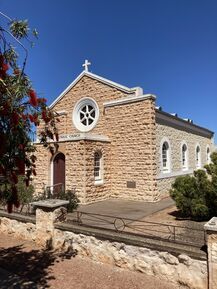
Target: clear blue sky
[{"x": 168, "y": 47}]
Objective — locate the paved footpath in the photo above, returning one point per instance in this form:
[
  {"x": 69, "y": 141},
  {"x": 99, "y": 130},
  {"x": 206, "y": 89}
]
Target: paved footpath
[
  {"x": 126, "y": 209},
  {"x": 24, "y": 265}
]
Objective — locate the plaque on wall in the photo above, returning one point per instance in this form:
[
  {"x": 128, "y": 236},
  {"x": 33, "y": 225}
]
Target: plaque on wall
[{"x": 131, "y": 184}]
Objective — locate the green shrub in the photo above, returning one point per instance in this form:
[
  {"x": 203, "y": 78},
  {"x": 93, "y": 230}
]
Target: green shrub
[
  {"x": 25, "y": 194},
  {"x": 70, "y": 196},
  {"x": 196, "y": 196}
]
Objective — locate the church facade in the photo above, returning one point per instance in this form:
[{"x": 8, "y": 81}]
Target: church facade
[{"x": 115, "y": 143}]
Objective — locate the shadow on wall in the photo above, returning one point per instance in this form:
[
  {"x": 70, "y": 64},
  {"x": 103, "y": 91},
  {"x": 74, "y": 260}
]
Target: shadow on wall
[{"x": 28, "y": 268}]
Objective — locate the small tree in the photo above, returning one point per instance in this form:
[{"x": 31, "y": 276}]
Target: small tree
[
  {"x": 21, "y": 111},
  {"x": 196, "y": 196}
]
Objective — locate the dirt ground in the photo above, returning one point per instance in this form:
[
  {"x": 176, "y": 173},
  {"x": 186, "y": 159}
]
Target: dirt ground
[{"x": 24, "y": 265}]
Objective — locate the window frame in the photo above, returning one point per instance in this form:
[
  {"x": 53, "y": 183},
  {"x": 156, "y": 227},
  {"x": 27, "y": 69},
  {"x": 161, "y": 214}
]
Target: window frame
[
  {"x": 167, "y": 168},
  {"x": 98, "y": 167},
  {"x": 198, "y": 157},
  {"x": 184, "y": 166},
  {"x": 76, "y": 118},
  {"x": 208, "y": 154}
]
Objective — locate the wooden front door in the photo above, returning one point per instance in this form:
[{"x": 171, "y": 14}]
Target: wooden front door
[{"x": 59, "y": 173}]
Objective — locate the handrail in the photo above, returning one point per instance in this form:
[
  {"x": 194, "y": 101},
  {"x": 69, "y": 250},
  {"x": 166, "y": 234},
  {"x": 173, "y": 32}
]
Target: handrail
[
  {"x": 135, "y": 220},
  {"x": 175, "y": 233}
]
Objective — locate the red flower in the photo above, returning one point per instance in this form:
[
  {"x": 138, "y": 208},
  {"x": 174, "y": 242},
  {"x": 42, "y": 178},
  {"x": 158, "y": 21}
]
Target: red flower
[
  {"x": 32, "y": 93},
  {"x": 21, "y": 146},
  {"x": 16, "y": 71},
  {"x": 15, "y": 118},
  {"x": 5, "y": 66},
  {"x": 44, "y": 115},
  {"x": 33, "y": 100},
  {"x": 35, "y": 117},
  {"x": 24, "y": 116},
  {"x": 42, "y": 100},
  {"x": 31, "y": 118}
]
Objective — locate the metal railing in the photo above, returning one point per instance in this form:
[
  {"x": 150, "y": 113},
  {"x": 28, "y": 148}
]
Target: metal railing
[
  {"x": 170, "y": 232},
  {"x": 54, "y": 190}
]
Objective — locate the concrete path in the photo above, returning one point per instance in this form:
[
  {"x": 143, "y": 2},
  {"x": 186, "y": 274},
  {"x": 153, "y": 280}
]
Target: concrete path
[
  {"x": 116, "y": 214},
  {"x": 126, "y": 209}
]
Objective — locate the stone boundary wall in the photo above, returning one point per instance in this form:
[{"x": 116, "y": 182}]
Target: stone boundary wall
[{"x": 181, "y": 269}]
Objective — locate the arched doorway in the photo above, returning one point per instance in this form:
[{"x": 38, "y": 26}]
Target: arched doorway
[{"x": 58, "y": 173}]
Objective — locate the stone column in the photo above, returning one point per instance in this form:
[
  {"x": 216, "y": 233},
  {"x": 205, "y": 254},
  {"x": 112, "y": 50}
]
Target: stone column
[
  {"x": 211, "y": 234},
  {"x": 47, "y": 213}
]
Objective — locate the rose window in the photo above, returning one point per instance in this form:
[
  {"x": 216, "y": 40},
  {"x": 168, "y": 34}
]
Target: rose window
[{"x": 85, "y": 114}]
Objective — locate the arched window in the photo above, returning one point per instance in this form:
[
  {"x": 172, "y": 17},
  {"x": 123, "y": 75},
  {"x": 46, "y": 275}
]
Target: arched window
[
  {"x": 184, "y": 157},
  {"x": 165, "y": 157},
  {"x": 198, "y": 157},
  {"x": 98, "y": 174},
  {"x": 208, "y": 159}
]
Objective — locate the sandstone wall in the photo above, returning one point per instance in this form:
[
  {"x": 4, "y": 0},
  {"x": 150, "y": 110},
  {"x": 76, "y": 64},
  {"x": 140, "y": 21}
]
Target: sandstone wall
[
  {"x": 181, "y": 270},
  {"x": 131, "y": 128},
  {"x": 97, "y": 191},
  {"x": 86, "y": 87},
  {"x": 79, "y": 174},
  {"x": 74, "y": 163},
  {"x": 26, "y": 231},
  {"x": 176, "y": 138},
  {"x": 41, "y": 180}
]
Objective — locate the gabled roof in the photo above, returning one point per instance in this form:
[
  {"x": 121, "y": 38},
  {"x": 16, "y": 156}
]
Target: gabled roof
[{"x": 101, "y": 79}]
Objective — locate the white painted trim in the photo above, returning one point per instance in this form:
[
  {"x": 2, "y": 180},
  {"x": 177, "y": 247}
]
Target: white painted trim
[
  {"x": 79, "y": 136},
  {"x": 187, "y": 156},
  {"x": 128, "y": 99},
  {"x": 61, "y": 112},
  {"x": 99, "y": 78},
  {"x": 112, "y": 83},
  {"x": 163, "y": 171},
  {"x": 75, "y": 114},
  {"x": 99, "y": 180},
  {"x": 174, "y": 174},
  {"x": 209, "y": 159},
  {"x": 197, "y": 165}
]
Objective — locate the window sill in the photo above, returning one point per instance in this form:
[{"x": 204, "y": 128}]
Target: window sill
[
  {"x": 184, "y": 169},
  {"x": 98, "y": 182},
  {"x": 165, "y": 175},
  {"x": 165, "y": 171}
]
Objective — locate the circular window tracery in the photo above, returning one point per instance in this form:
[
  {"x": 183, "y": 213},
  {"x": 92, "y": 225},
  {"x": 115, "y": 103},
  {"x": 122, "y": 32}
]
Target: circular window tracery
[{"x": 85, "y": 114}]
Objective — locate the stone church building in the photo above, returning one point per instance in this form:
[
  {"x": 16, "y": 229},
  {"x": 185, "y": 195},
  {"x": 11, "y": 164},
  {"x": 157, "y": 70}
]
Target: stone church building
[{"x": 115, "y": 143}]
